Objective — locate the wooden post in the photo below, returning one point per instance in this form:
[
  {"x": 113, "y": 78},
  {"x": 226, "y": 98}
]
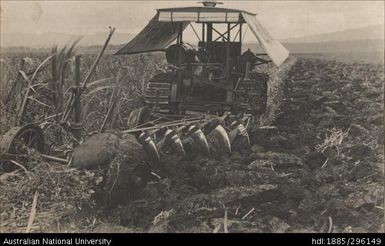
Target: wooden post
[
  {"x": 70, "y": 105},
  {"x": 77, "y": 125}
]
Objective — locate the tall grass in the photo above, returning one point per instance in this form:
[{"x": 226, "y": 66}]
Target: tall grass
[{"x": 51, "y": 88}]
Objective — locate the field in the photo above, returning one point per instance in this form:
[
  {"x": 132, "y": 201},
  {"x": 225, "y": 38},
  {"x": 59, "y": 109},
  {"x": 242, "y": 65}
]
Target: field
[{"x": 318, "y": 168}]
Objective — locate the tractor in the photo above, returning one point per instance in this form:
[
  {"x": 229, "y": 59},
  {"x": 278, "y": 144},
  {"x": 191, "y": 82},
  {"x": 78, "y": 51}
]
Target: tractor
[
  {"x": 206, "y": 101},
  {"x": 211, "y": 92}
]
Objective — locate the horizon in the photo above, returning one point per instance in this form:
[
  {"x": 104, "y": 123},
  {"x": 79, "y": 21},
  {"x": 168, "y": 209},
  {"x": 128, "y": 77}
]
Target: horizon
[{"x": 131, "y": 33}]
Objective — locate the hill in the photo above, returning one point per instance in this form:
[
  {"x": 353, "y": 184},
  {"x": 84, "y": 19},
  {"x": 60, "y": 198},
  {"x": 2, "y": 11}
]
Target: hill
[{"x": 372, "y": 32}]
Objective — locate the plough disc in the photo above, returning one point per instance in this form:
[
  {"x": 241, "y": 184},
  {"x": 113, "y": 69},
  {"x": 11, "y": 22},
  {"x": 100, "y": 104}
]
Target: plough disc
[
  {"x": 199, "y": 139},
  {"x": 172, "y": 139},
  {"x": 149, "y": 147},
  {"x": 220, "y": 140}
]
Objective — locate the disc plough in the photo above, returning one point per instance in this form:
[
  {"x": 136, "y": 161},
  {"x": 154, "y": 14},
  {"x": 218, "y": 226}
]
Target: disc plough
[{"x": 162, "y": 134}]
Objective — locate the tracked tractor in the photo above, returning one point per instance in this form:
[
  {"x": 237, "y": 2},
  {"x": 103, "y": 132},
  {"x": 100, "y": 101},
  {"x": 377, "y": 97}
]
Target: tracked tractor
[{"x": 211, "y": 92}]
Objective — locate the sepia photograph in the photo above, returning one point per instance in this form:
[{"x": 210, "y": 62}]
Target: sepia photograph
[{"x": 191, "y": 117}]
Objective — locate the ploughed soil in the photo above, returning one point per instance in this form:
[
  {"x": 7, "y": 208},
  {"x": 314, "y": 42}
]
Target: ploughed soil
[{"x": 318, "y": 169}]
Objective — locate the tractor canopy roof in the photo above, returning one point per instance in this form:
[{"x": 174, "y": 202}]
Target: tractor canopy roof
[
  {"x": 164, "y": 27},
  {"x": 202, "y": 14}
]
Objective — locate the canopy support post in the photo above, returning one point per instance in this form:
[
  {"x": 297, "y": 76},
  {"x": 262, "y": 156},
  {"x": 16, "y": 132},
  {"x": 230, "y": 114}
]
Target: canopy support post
[
  {"x": 203, "y": 32},
  {"x": 229, "y": 94},
  {"x": 228, "y": 52},
  {"x": 240, "y": 33},
  {"x": 209, "y": 32}
]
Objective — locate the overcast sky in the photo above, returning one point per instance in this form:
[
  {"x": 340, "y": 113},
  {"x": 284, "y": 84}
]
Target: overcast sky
[{"x": 283, "y": 18}]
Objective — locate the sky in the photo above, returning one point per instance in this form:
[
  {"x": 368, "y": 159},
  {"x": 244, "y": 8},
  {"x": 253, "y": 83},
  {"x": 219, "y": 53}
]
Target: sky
[{"x": 284, "y": 19}]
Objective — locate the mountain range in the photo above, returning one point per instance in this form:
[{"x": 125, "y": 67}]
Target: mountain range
[
  {"x": 43, "y": 40},
  {"x": 372, "y": 32}
]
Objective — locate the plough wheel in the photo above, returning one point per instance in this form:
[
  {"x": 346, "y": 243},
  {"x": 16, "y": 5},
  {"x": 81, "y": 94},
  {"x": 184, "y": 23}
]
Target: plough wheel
[
  {"x": 18, "y": 139},
  {"x": 17, "y": 142}
]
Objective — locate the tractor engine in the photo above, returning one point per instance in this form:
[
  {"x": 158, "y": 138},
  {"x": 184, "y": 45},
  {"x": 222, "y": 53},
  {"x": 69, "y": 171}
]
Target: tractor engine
[{"x": 199, "y": 81}]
